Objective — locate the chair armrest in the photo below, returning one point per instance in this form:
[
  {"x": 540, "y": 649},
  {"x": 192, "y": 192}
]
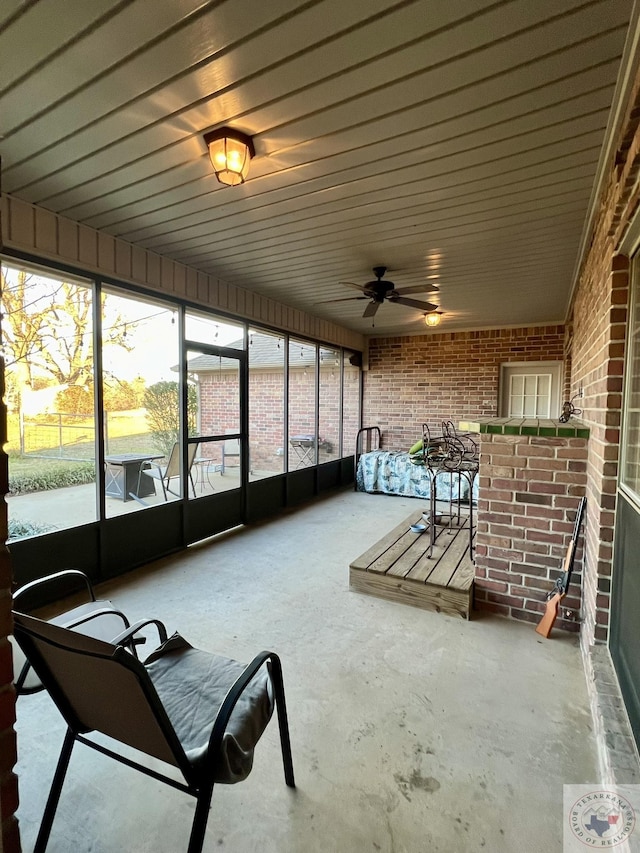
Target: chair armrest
[
  {"x": 84, "y": 622},
  {"x": 52, "y": 579},
  {"x": 126, "y": 637},
  {"x": 104, "y": 611},
  {"x": 233, "y": 695}
]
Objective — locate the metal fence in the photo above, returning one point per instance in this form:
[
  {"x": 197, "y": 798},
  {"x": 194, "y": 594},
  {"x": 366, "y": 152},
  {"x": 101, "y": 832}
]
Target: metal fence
[
  {"x": 57, "y": 436},
  {"x": 73, "y": 436}
]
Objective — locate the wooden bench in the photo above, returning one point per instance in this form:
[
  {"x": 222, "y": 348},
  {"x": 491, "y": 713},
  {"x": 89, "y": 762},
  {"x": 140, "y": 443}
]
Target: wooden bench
[{"x": 398, "y": 567}]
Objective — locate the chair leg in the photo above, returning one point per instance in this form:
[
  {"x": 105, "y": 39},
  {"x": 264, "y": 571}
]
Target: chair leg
[
  {"x": 22, "y": 677},
  {"x": 283, "y": 723},
  {"x": 54, "y": 794},
  {"x": 199, "y": 825}
]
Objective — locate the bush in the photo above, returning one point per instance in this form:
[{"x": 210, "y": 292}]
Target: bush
[
  {"x": 75, "y": 400},
  {"x": 19, "y": 529},
  {"x": 45, "y": 479},
  {"x": 162, "y": 404}
]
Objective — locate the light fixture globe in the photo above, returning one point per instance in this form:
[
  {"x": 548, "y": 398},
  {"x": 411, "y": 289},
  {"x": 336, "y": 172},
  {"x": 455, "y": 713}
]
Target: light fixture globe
[
  {"x": 432, "y": 318},
  {"x": 230, "y": 152}
]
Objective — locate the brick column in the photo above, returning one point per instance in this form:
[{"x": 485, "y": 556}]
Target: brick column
[
  {"x": 10, "y": 840},
  {"x": 529, "y": 490}
]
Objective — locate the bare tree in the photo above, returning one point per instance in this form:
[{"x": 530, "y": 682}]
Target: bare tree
[{"x": 47, "y": 330}]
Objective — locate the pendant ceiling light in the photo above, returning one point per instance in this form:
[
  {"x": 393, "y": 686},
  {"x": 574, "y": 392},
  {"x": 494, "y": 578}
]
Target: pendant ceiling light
[{"x": 230, "y": 152}]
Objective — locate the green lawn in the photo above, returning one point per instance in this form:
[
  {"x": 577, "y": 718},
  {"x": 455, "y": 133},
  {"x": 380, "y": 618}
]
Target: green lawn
[{"x": 32, "y": 473}]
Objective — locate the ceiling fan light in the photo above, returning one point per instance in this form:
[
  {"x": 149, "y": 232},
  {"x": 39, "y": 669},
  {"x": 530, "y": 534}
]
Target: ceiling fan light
[
  {"x": 432, "y": 318},
  {"x": 230, "y": 152}
]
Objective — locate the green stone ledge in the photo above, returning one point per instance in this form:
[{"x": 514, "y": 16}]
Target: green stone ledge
[{"x": 546, "y": 428}]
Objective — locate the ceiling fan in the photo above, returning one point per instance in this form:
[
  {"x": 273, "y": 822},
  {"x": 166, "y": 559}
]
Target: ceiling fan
[{"x": 379, "y": 290}]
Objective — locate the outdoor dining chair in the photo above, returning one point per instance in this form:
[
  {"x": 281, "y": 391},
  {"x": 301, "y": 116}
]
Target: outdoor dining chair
[
  {"x": 165, "y": 473},
  {"x": 95, "y": 617},
  {"x": 199, "y": 712},
  {"x": 230, "y": 451}
]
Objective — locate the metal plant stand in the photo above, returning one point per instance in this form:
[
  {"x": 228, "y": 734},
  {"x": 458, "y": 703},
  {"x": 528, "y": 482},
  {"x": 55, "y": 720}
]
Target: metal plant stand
[{"x": 457, "y": 455}]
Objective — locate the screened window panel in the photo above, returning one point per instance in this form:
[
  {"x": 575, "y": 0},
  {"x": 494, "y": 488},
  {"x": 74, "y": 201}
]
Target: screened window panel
[
  {"x": 47, "y": 341},
  {"x": 329, "y": 405},
  {"x": 140, "y": 385},
  {"x": 266, "y": 403},
  {"x": 630, "y": 469},
  {"x": 303, "y": 438},
  {"x": 215, "y": 331}
]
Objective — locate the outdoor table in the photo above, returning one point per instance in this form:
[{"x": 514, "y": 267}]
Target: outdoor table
[
  {"x": 204, "y": 467},
  {"x": 125, "y": 477},
  {"x": 305, "y": 448}
]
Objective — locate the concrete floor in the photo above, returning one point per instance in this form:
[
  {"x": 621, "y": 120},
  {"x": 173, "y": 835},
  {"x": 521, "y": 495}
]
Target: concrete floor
[{"x": 411, "y": 731}]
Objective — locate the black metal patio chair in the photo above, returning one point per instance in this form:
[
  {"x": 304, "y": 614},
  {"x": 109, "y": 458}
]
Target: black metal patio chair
[{"x": 199, "y": 712}]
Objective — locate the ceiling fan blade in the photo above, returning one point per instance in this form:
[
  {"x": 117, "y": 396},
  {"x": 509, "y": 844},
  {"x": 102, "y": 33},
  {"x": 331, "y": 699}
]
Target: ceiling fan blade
[
  {"x": 353, "y": 284},
  {"x": 419, "y": 288},
  {"x": 342, "y": 299},
  {"x": 413, "y": 303},
  {"x": 371, "y": 309}
]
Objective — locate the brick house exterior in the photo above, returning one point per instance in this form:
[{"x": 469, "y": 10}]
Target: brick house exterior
[{"x": 218, "y": 394}]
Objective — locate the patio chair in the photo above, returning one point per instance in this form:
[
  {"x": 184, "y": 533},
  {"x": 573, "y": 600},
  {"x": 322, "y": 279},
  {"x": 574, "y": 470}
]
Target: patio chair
[
  {"x": 95, "y": 617},
  {"x": 198, "y": 712},
  {"x": 230, "y": 452},
  {"x": 165, "y": 473}
]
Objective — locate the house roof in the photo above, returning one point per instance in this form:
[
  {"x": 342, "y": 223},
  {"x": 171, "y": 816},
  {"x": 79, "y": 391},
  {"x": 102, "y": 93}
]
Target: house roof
[
  {"x": 455, "y": 143},
  {"x": 265, "y": 351}
]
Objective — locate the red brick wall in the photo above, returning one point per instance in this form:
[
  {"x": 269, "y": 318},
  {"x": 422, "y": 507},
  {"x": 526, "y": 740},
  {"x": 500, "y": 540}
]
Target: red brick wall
[
  {"x": 350, "y": 409},
  {"x": 219, "y": 400},
  {"x": 597, "y": 366},
  {"x": 530, "y": 487},
  {"x": 599, "y": 322},
  {"x": 436, "y": 377}
]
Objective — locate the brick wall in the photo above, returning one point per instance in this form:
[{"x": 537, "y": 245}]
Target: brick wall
[
  {"x": 435, "y": 377},
  {"x": 599, "y": 322},
  {"x": 219, "y": 402},
  {"x": 530, "y": 487},
  {"x": 598, "y": 362}
]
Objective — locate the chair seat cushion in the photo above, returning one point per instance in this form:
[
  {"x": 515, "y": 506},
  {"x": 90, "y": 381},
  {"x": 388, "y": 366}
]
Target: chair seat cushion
[{"x": 192, "y": 685}]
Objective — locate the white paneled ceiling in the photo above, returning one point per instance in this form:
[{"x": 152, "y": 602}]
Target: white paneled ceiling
[{"x": 455, "y": 142}]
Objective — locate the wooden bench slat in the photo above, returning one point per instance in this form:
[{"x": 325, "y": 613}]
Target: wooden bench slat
[
  {"x": 454, "y": 551},
  {"x": 382, "y": 545},
  {"x": 403, "y": 566},
  {"x": 423, "y": 570},
  {"x": 464, "y": 575},
  {"x": 401, "y": 556}
]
